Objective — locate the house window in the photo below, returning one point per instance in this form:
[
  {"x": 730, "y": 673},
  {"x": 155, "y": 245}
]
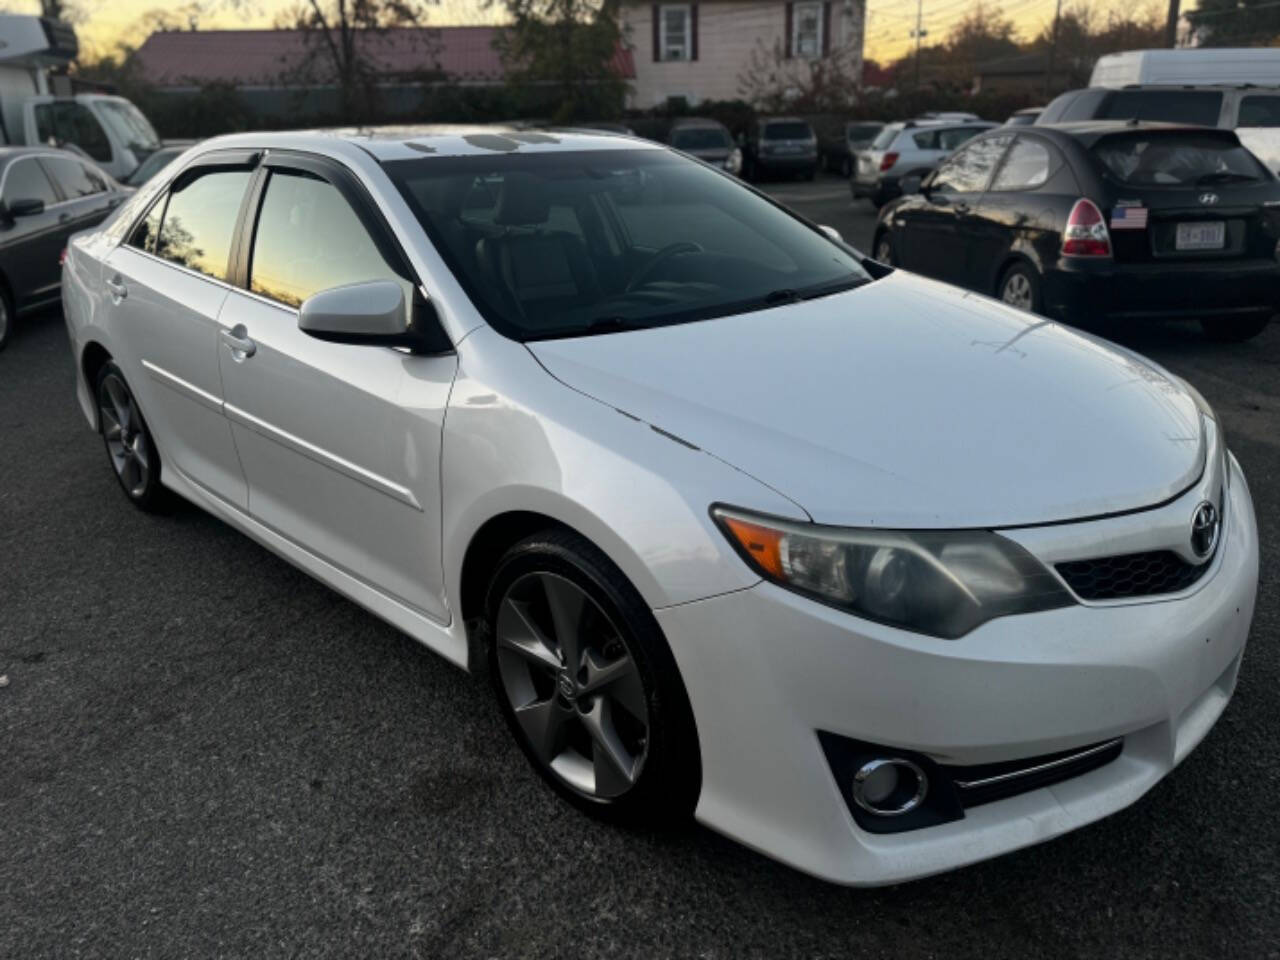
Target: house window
[
  {"x": 806, "y": 30},
  {"x": 675, "y": 31}
]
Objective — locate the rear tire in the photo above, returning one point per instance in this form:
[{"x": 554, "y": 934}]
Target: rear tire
[
  {"x": 589, "y": 743},
  {"x": 131, "y": 450},
  {"x": 1019, "y": 287},
  {"x": 1234, "y": 329}
]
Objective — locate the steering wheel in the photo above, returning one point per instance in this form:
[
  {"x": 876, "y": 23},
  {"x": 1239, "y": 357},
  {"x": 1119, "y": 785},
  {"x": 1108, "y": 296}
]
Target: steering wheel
[{"x": 663, "y": 255}]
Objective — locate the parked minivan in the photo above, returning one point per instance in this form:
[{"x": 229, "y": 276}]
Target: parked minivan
[
  {"x": 1252, "y": 111},
  {"x": 708, "y": 140}
]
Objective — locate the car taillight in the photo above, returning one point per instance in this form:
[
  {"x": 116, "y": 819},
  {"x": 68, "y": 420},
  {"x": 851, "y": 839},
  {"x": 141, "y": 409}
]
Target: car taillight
[
  {"x": 888, "y": 161},
  {"x": 62, "y": 257},
  {"x": 1086, "y": 232}
]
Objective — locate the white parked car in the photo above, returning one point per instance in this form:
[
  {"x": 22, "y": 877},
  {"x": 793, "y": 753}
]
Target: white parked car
[{"x": 738, "y": 522}]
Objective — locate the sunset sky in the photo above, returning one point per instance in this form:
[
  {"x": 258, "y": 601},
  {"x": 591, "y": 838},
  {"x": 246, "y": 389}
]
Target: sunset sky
[{"x": 889, "y": 22}]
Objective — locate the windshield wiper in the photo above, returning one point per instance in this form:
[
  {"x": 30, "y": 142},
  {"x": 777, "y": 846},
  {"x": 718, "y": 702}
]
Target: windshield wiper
[
  {"x": 785, "y": 295},
  {"x": 1222, "y": 176}
]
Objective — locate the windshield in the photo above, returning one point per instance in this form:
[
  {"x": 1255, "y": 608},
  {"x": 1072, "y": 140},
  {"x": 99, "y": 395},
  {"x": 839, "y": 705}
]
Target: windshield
[
  {"x": 1176, "y": 160},
  {"x": 787, "y": 130},
  {"x": 128, "y": 124},
  {"x": 565, "y": 244},
  {"x": 1199, "y": 107},
  {"x": 700, "y": 138},
  {"x": 151, "y": 166},
  {"x": 885, "y": 137}
]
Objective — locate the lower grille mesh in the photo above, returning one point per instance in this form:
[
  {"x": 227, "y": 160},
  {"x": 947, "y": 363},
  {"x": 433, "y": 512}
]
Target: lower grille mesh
[{"x": 1130, "y": 575}]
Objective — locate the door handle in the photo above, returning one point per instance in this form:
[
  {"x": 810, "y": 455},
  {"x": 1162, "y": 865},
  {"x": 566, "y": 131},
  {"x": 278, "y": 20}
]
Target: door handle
[
  {"x": 64, "y": 217},
  {"x": 237, "y": 338},
  {"x": 118, "y": 290},
  {"x": 962, "y": 208}
]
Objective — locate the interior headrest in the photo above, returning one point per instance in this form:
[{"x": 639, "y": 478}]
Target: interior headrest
[{"x": 523, "y": 201}]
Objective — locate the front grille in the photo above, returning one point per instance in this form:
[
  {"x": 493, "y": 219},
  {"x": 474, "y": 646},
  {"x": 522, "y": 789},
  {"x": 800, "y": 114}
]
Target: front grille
[{"x": 1130, "y": 575}]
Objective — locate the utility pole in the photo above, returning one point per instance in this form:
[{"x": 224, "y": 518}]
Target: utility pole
[
  {"x": 1171, "y": 25},
  {"x": 1053, "y": 49},
  {"x": 920, "y": 31}
]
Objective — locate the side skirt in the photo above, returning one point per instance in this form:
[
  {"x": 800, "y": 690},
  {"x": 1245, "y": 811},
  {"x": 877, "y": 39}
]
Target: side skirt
[{"x": 450, "y": 641}]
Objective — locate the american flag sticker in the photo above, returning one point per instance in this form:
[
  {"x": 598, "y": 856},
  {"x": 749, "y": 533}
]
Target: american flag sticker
[{"x": 1129, "y": 218}]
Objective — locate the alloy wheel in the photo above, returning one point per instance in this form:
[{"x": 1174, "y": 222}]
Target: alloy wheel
[
  {"x": 573, "y": 685},
  {"x": 1017, "y": 290},
  {"x": 125, "y": 435}
]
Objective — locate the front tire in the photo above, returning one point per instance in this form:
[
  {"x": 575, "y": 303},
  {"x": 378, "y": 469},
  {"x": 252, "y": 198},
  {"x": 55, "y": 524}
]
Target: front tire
[
  {"x": 130, "y": 447},
  {"x": 587, "y": 684},
  {"x": 1234, "y": 329},
  {"x": 1020, "y": 287}
]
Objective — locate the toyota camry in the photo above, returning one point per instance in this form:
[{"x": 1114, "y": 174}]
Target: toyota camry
[{"x": 874, "y": 575}]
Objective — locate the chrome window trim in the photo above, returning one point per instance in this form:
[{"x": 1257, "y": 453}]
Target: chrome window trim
[
  {"x": 4, "y": 177},
  {"x": 1038, "y": 768}
]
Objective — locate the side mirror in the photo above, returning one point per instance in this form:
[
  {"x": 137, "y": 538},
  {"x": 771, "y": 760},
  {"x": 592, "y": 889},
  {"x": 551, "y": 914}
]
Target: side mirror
[
  {"x": 831, "y": 232},
  {"x": 910, "y": 185},
  {"x": 373, "y": 314},
  {"x": 30, "y": 207}
]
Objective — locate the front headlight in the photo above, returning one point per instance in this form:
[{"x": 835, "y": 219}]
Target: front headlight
[
  {"x": 940, "y": 583},
  {"x": 734, "y": 163}
]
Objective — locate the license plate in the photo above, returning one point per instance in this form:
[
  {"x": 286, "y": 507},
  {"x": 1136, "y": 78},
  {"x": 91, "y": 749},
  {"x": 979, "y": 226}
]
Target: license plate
[{"x": 1201, "y": 236}]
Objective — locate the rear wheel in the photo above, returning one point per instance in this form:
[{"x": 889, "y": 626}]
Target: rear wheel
[
  {"x": 130, "y": 448},
  {"x": 587, "y": 684},
  {"x": 1020, "y": 287},
  {"x": 1234, "y": 329}
]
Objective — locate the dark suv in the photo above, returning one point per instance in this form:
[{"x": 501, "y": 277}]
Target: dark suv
[
  {"x": 1099, "y": 222},
  {"x": 780, "y": 146}
]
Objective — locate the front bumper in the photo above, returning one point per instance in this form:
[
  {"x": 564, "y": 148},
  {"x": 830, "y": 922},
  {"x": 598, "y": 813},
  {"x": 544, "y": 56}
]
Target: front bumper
[
  {"x": 766, "y": 669},
  {"x": 1083, "y": 289}
]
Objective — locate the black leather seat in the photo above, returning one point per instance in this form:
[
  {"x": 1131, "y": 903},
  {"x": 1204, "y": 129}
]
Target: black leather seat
[{"x": 540, "y": 269}]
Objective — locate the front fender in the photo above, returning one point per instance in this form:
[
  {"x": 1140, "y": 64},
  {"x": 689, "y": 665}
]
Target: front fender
[{"x": 516, "y": 439}]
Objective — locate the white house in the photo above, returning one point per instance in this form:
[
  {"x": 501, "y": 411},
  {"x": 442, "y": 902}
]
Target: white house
[{"x": 699, "y": 51}]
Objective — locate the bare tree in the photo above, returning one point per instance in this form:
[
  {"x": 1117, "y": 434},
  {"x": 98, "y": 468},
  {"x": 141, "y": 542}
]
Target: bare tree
[
  {"x": 773, "y": 81},
  {"x": 343, "y": 38}
]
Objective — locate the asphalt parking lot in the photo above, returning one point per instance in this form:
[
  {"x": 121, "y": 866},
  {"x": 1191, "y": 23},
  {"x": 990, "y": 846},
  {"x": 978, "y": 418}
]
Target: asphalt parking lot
[{"x": 205, "y": 753}]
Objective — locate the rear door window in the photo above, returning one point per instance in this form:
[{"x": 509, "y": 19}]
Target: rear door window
[
  {"x": 75, "y": 178},
  {"x": 925, "y": 140},
  {"x": 1200, "y": 107},
  {"x": 969, "y": 170},
  {"x": 1259, "y": 111},
  {"x": 200, "y": 219},
  {"x": 1026, "y": 167},
  {"x": 1177, "y": 160},
  {"x": 25, "y": 180}
]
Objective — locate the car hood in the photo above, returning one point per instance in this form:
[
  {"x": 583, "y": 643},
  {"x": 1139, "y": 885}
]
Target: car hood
[{"x": 906, "y": 403}]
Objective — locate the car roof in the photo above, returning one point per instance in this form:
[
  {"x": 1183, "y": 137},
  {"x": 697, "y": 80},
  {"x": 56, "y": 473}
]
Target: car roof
[
  {"x": 1215, "y": 87},
  {"x": 419, "y": 142},
  {"x": 1090, "y": 132}
]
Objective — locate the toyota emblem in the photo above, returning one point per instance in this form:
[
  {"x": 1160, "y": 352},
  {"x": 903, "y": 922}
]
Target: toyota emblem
[
  {"x": 1205, "y": 523},
  {"x": 1208, "y": 199}
]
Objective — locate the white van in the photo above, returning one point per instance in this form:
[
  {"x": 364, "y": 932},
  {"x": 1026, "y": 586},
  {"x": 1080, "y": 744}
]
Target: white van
[
  {"x": 1191, "y": 66},
  {"x": 109, "y": 130}
]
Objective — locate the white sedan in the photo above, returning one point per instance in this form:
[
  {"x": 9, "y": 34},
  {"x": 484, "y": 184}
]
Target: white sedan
[{"x": 874, "y": 575}]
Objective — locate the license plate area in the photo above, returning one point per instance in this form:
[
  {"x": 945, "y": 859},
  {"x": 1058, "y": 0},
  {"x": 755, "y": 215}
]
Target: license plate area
[{"x": 1201, "y": 235}]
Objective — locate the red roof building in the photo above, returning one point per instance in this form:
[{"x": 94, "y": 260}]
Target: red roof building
[{"x": 190, "y": 59}]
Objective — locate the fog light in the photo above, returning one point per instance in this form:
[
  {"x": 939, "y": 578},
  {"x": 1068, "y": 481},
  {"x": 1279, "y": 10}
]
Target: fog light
[{"x": 889, "y": 787}]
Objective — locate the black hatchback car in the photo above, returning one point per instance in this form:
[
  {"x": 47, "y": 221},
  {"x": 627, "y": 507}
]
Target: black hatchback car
[
  {"x": 1100, "y": 221},
  {"x": 45, "y": 196}
]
